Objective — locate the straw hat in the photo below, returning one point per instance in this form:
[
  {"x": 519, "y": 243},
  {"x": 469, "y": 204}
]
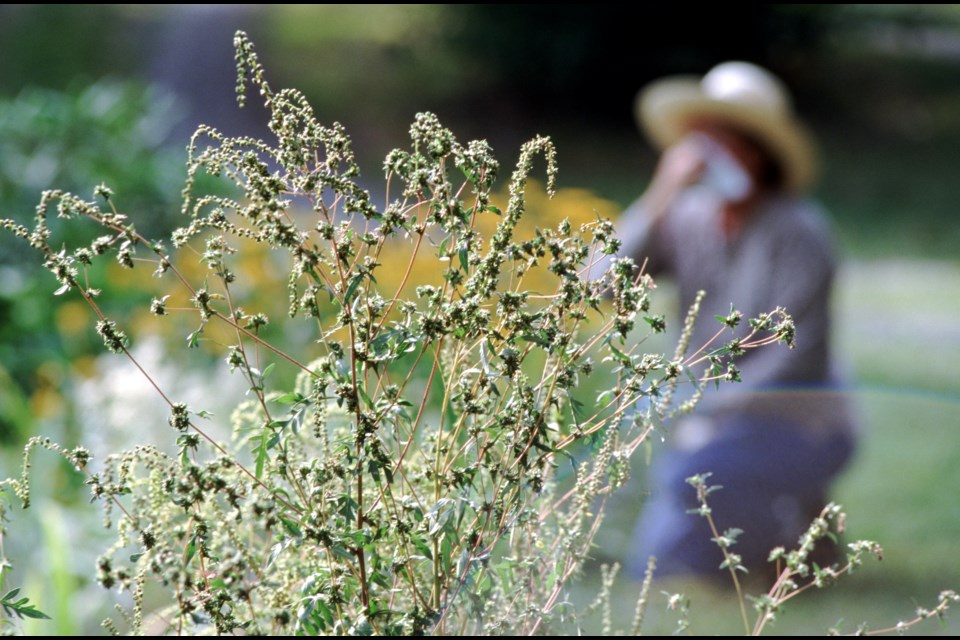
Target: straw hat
[{"x": 744, "y": 95}]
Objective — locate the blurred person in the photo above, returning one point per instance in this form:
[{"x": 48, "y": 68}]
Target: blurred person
[{"x": 725, "y": 212}]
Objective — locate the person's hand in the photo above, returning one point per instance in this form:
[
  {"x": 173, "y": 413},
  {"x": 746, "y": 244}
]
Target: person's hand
[{"x": 680, "y": 166}]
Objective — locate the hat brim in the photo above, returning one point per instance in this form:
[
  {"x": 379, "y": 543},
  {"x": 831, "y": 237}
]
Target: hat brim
[{"x": 668, "y": 108}]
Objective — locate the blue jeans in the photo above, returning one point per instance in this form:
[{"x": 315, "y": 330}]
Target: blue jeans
[{"x": 774, "y": 481}]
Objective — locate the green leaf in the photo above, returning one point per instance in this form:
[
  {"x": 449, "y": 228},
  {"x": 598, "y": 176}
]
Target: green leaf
[
  {"x": 423, "y": 547},
  {"x": 324, "y": 612},
  {"x": 446, "y": 554},
  {"x": 291, "y": 526},
  {"x": 32, "y": 612},
  {"x": 310, "y": 271},
  {"x": 576, "y": 407},
  {"x": 193, "y": 340},
  {"x": 21, "y": 608},
  {"x": 360, "y": 538},
  {"x": 381, "y": 579},
  {"x": 606, "y": 396},
  {"x": 365, "y": 397},
  {"x": 538, "y": 338},
  {"x": 342, "y": 552},
  {"x": 442, "y": 519},
  {"x": 277, "y": 549},
  {"x": 296, "y": 419},
  {"x": 261, "y": 453},
  {"x": 373, "y": 468},
  {"x": 620, "y": 355},
  {"x": 362, "y": 627},
  {"x": 464, "y": 256},
  {"x": 272, "y": 442},
  {"x": 543, "y": 447},
  {"x": 191, "y": 550},
  {"x": 268, "y": 371},
  {"x": 348, "y": 507},
  {"x": 352, "y": 287},
  {"x": 463, "y": 562}
]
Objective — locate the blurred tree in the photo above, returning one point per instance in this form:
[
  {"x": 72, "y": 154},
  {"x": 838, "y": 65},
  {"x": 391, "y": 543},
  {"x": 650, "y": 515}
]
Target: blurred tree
[
  {"x": 591, "y": 59},
  {"x": 108, "y": 133},
  {"x": 59, "y": 45}
]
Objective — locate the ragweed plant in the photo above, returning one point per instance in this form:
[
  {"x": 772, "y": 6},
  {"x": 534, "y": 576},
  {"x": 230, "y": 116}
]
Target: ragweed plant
[
  {"x": 796, "y": 570},
  {"x": 425, "y": 461}
]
